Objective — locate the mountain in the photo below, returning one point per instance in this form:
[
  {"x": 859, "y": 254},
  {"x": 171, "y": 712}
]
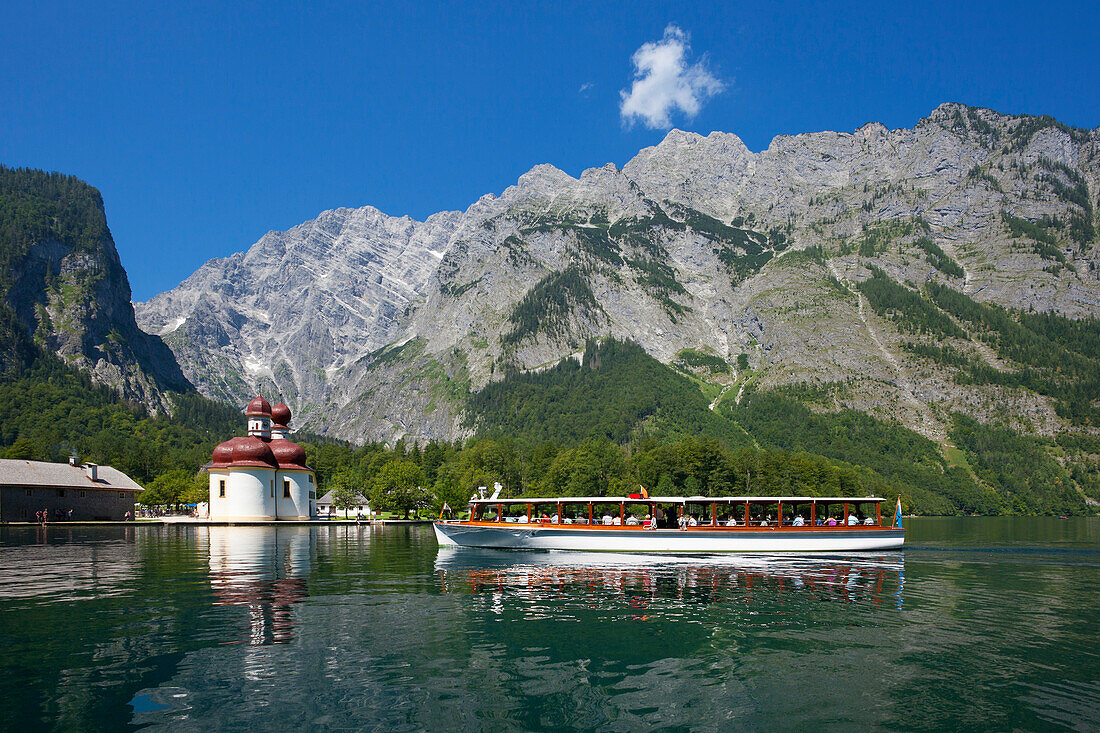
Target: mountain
[
  {"x": 886, "y": 272},
  {"x": 64, "y": 293}
]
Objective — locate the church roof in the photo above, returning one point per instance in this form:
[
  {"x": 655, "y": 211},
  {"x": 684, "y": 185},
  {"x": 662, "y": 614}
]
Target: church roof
[
  {"x": 258, "y": 407},
  {"x": 280, "y": 414},
  {"x": 244, "y": 452}
]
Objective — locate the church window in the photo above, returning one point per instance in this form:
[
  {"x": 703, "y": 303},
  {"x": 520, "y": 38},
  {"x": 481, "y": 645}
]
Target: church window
[
  {"x": 221, "y": 487},
  {"x": 83, "y": 494},
  {"x": 286, "y": 488},
  {"x": 272, "y": 488}
]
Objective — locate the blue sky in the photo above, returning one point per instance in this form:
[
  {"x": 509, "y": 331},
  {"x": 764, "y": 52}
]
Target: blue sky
[{"x": 206, "y": 125}]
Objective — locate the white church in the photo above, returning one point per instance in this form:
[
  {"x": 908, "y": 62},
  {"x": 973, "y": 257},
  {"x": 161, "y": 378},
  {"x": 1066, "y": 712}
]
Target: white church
[{"x": 262, "y": 476}]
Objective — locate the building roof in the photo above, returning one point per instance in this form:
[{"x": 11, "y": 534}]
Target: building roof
[
  {"x": 280, "y": 414},
  {"x": 258, "y": 407},
  {"x": 326, "y": 500},
  {"x": 16, "y": 472}
]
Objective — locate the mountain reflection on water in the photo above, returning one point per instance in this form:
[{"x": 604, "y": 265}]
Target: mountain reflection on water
[{"x": 978, "y": 624}]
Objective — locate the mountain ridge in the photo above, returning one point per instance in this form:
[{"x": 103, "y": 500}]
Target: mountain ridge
[{"x": 696, "y": 243}]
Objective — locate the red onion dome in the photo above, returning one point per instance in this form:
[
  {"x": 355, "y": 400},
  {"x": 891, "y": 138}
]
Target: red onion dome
[
  {"x": 280, "y": 413},
  {"x": 258, "y": 407},
  {"x": 223, "y": 454},
  {"x": 288, "y": 454},
  {"x": 251, "y": 451},
  {"x": 247, "y": 451}
]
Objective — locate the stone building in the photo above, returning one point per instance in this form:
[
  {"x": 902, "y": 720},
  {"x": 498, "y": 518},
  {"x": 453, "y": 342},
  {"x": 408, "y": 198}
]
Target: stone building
[
  {"x": 263, "y": 475},
  {"x": 91, "y": 492}
]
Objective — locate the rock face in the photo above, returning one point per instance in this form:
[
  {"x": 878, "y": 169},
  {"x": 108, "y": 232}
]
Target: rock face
[
  {"x": 63, "y": 290},
  {"x": 375, "y": 328},
  {"x": 291, "y": 315}
]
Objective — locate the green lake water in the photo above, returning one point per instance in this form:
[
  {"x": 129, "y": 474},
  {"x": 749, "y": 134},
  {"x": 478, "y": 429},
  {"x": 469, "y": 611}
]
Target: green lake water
[{"x": 989, "y": 624}]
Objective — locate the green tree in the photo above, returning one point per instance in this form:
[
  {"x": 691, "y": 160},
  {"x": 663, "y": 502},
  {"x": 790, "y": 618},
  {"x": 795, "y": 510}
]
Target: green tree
[
  {"x": 399, "y": 487},
  {"x": 167, "y": 488},
  {"x": 597, "y": 467},
  {"x": 344, "y": 494},
  {"x": 24, "y": 449},
  {"x": 199, "y": 489}
]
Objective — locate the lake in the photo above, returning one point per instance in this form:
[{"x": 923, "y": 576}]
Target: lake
[{"x": 987, "y": 624}]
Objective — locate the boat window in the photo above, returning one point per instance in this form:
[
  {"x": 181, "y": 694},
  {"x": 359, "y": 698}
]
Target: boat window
[
  {"x": 696, "y": 514},
  {"x": 606, "y": 513},
  {"x": 763, "y": 515},
  {"x": 667, "y": 515},
  {"x": 635, "y": 513}
]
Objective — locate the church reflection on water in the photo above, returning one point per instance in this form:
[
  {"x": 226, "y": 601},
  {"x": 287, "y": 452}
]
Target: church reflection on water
[
  {"x": 641, "y": 580},
  {"x": 263, "y": 569}
]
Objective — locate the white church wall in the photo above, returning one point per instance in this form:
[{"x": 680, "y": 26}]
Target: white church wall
[
  {"x": 298, "y": 504},
  {"x": 248, "y": 495}
]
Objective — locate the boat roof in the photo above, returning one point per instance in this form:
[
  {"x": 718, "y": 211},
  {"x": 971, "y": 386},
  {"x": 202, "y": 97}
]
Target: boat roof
[{"x": 681, "y": 499}]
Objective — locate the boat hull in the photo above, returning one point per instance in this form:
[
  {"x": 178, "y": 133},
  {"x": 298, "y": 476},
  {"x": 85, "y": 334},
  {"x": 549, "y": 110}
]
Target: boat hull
[{"x": 693, "y": 540}]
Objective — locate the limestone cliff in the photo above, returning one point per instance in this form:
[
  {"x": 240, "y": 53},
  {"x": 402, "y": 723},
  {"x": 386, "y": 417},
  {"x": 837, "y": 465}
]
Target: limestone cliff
[{"x": 374, "y": 327}]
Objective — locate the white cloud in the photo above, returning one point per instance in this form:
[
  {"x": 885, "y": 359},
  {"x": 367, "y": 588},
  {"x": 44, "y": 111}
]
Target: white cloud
[
  {"x": 663, "y": 82},
  {"x": 586, "y": 88}
]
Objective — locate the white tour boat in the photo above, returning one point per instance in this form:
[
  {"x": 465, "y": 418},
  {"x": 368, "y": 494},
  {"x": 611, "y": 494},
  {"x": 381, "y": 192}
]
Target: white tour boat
[{"x": 677, "y": 524}]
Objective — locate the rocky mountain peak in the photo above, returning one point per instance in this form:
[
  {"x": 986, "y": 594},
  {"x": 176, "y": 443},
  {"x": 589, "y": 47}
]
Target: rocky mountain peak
[{"x": 376, "y": 327}]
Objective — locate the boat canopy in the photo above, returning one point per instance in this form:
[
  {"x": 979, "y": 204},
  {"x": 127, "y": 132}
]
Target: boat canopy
[{"x": 685, "y": 500}]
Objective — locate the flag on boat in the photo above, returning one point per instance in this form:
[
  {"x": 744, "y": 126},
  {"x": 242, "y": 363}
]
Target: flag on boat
[
  {"x": 897, "y": 514},
  {"x": 444, "y": 509}
]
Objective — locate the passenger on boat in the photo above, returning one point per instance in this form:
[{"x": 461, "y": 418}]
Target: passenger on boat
[
  {"x": 553, "y": 518},
  {"x": 852, "y": 519},
  {"x": 731, "y": 522},
  {"x": 631, "y": 520},
  {"x": 617, "y": 521},
  {"x": 650, "y": 522},
  {"x": 607, "y": 519},
  {"x": 580, "y": 520},
  {"x": 798, "y": 521},
  {"x": 818, "y": 522},
  {"x": 869, "y": 520},
  {"x": 831, "y": 522},
  {"x": 692, "y": 521},
  {"x": 764, "y": 522}
]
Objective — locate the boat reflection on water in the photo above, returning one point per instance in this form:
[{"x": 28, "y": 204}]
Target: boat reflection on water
[
  {"x": 642, "y": 579},
  {"x": 265, "y": 570}
]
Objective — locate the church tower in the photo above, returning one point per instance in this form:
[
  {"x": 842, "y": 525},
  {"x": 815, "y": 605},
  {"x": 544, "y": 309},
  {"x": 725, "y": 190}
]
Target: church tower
[{"x": 259, "y": 418}]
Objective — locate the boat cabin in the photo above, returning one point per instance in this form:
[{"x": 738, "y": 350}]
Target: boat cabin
[{"x": 678, "y": 512}]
